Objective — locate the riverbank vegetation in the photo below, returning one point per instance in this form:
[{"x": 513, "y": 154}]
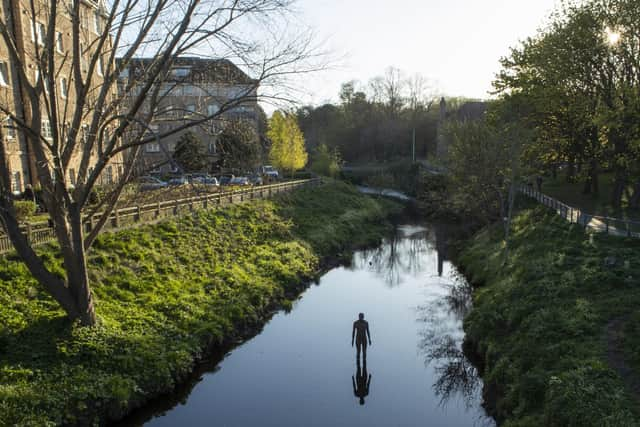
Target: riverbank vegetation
[
  {"x": 554, "y": 323},
  {"x": 166, "y": 293}
]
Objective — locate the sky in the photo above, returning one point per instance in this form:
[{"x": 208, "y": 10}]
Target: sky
[{"x": 456, "y": 44}]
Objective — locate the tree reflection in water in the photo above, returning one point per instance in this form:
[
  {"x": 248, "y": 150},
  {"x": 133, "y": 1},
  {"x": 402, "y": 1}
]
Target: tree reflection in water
[
  {"x": 400, "y": 254},
  {"x": 441, "y": 345}
]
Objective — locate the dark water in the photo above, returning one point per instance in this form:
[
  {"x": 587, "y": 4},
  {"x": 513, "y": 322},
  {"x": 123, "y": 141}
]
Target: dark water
[{"x": 301, "y": 369}]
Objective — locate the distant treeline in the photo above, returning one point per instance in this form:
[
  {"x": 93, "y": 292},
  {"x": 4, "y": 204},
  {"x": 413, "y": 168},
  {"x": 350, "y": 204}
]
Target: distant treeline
[{"x": 375, "y": 122}]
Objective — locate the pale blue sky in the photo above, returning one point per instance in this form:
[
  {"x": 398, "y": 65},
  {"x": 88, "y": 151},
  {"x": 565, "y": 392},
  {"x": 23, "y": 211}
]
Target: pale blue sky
[{"x": 455, "y": 43}]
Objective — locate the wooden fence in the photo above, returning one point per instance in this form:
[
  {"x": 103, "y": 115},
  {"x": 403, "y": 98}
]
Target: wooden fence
[
  {"x": 598, "y": 224},
  {"x": 40, "y": 233}
]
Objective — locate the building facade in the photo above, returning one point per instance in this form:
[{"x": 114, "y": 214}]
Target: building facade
[
  {"x": 194, "y": 90},
  {"x": 28, "y": 24}
]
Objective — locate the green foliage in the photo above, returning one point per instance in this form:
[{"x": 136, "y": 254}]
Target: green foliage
[
  {"x": 326, "y": 162},
  {"x": 190, "y": 153},
  {"x": 287, "y": 151},
  {"x": 24, "y": 209},
  {"x": 540, "y": 321},
  {"x": 164, "y": 292},
  {"x": 584, "y": 117},
  {"x": 239, "y": 146}
]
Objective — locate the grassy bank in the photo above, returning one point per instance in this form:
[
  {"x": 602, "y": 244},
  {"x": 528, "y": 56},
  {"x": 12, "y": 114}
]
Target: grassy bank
[
  {"x": 164, "y": 294},
  {"x": 555, "y": 325}
]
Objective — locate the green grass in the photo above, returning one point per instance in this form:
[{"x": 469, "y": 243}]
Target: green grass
[
  {"x": 540, "y": 320},
  {"x": 600, "y": 204},
  {"x": 164, "y": 293}
]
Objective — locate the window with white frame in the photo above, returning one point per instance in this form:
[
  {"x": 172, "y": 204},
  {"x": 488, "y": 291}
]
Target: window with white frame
[
  {"x": 59, "y": 44},
  {"x": 99, "y": 67},
  {"x": 4, "y": 73},
  {"x": 108, "y": 176},
  {"x": 16, "y": 183},
  {"x": 97, "y": 23},
  {"x": 10, "y": 128},
  {"x": 212, "y": 148},
  {"x": 46, "y": 131},
  {"x": 152, "y": 147},
  {"x": 64, "y": 90},
  {"x": 40, "y": 33},
  {"x": 180, "y": 72}
]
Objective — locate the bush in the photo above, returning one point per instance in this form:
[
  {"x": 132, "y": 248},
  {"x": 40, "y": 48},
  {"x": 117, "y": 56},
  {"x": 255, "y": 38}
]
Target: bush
[{"x": 24, "y": 209}]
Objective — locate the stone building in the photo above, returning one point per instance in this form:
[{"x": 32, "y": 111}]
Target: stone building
[
  {"x": 194, "y": 90},
  {"x": 29, "y": 31}
]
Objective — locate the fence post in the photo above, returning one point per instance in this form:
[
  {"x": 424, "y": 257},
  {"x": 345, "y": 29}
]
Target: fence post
[
  {"x": 158, "y": 210},
  {"x": 606, "y": 223},
  {"x": 29, "y": 236},
  {"x": 139, "y": 213}
]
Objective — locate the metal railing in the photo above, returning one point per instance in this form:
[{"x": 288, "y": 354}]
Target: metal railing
[
  {"x": 41, "y": 233},
  {"x": 599, "y": 224}
]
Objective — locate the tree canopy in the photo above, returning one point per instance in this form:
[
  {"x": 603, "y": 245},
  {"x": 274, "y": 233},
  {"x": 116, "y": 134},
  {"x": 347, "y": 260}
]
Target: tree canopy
[{"x": 288, "y": 151}]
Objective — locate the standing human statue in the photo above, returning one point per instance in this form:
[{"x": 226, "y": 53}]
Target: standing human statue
[{"x": 360, "y": 333}]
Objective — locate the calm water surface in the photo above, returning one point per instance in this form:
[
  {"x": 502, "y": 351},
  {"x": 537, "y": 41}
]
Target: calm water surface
[{"x": 301, "y": 369}]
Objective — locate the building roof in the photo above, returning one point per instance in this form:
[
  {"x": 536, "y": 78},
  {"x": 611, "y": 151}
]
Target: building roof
[
  {"x": 473, "y": 110},
  {"x": 197, "y": 70}
]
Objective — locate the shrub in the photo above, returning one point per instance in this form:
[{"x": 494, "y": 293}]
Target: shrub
[{"x": 24, "y": 209}]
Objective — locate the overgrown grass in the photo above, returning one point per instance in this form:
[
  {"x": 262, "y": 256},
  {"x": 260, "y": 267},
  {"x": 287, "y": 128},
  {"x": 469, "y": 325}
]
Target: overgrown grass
[
  {"x": 164, "y": 293},
  {"x": 540, "y": 321}
]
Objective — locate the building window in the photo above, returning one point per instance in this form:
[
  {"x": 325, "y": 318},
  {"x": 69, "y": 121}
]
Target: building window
[
  {"x": 97, "y": 23},
  {"x": 72, "y": 177},
  {"x": 10, "y": 127},
  {"x": 99, "y": 67},
  {"x": 16, "y": 183},
  {"x": 41, "y": 33},
  {"x": 4, "y": 74},
  {"x": 212, "y": 109},
  {"x": 152, "y": 147},
  {"x": 59, "y": 45},
  {"x": 64, "y": 92},
  {"x": 191, "y": 108},
  {"x": 46, "y": 130},
  {"x": 108, "y": 177},
  {"x": 180, "y": 72},
  {"x": 212, "y": 148}
]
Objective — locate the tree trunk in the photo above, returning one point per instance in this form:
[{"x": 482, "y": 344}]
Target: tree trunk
[
  {"x": 634, "y": 201},
  {"x": 78, "y": 274},
  {"x": 591, "y": 184}
]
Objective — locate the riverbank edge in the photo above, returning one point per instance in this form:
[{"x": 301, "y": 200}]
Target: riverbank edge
[
  {"x": 486, "y": 341},
  {"x": 243, "y": 331},
  {"x": 326, "y": 256}
]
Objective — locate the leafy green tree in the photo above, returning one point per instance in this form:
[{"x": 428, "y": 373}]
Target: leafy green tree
[
  {"x": 191, "y": 154},
  {"x": 239, "y": 146},
  {"x": 326, "y": 161},
  {"x": 287, "y": 151}
]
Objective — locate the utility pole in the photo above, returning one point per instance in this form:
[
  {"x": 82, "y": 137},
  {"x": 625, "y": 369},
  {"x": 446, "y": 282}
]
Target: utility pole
[{"x": 413, "y": 146}]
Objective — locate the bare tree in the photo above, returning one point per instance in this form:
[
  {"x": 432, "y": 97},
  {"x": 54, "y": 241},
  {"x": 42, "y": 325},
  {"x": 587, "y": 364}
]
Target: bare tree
[{"x": 78, "y": 124}]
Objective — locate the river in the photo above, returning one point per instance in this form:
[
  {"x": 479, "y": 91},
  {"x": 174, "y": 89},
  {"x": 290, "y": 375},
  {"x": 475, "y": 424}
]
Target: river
[{"x": 301, "y": 370}]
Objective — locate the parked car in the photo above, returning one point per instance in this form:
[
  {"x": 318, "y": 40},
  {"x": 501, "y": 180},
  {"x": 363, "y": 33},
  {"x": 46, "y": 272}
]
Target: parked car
[
  {"x": 270, "y": 172},
  {"x": 179, "y": 180},
  {"x": 205, "y": 179},
  {"x": 255, "y": 180},
  {"x": 146, "y": 183},
  {"x": 225, "y": 179},
  {"x": 239, "y": 180}
]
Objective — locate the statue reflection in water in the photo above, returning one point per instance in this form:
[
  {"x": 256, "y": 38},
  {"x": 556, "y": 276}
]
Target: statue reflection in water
[{"x": 361, "y": 382}]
